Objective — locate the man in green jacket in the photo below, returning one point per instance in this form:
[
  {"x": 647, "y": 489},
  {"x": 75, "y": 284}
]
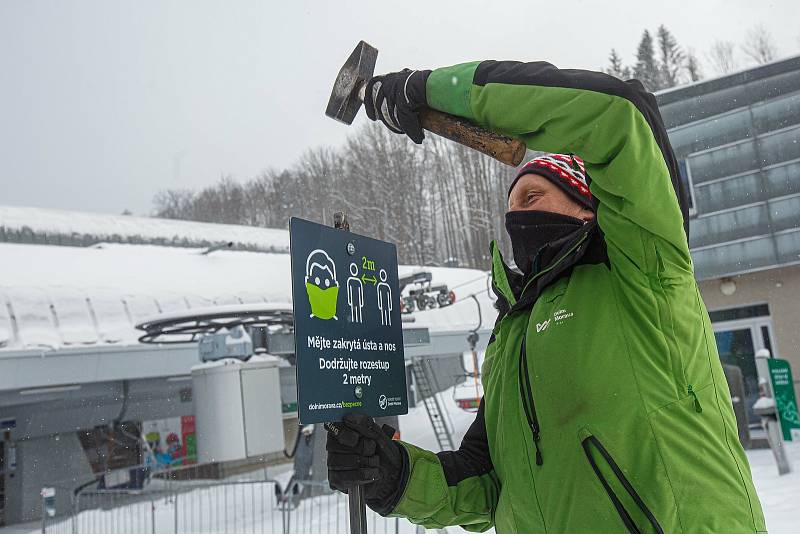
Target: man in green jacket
[{"x": 605, "y": 408}]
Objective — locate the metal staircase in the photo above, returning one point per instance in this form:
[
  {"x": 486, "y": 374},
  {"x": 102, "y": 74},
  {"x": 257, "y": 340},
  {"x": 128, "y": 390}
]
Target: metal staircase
[{"x": 426, "y": 387}]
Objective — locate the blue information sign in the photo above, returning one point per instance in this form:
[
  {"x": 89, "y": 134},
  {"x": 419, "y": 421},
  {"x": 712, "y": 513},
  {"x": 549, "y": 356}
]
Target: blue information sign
[{"x": 347, "y": 326}]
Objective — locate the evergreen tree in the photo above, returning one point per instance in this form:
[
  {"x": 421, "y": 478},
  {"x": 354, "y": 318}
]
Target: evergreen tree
[
  {"x": 616, "y": 68},
  {"x": 646, "y": 68},
  {"x": 693, "y": 66},
  {"x": 671, "y": 58}
]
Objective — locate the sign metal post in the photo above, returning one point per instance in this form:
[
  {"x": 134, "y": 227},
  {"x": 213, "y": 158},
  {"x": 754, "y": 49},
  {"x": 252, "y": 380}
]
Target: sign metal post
[{"x": 355, "y": 496}]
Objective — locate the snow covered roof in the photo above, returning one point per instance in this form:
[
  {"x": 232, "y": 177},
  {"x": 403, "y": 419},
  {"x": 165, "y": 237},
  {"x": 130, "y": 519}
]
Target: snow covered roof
[
  {"x": 52, "y": 296},
  {"x": 61, "y": 296},
  {"x": 51, "y": 226}
]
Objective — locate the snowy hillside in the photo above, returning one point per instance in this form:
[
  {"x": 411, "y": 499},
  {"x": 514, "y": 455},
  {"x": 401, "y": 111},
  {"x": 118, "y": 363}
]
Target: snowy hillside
[{"x": 82, "y": 228}]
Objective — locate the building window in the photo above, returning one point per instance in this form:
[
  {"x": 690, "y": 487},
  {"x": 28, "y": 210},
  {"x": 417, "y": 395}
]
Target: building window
[
  {"x": 743, "y": 312},
  {"x": 767, "y": 339},
  {"x": 711, "y": 132},
  {"x": 780, "y": 146},
  {"x": 686, "y": 178}
]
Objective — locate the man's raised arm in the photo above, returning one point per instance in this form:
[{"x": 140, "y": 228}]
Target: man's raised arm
[{"x": 614, "y": 125}]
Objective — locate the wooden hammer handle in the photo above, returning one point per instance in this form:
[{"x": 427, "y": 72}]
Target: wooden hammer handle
[{"x": 503, "y": 149}]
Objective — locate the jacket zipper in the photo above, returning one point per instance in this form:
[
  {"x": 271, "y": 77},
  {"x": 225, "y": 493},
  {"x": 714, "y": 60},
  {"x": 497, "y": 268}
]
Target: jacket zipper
[
  {"x": 697, "y": 407},
  {"x": 554, "y": 264},
  {"x": 525, "y": 389},
  {"x": 527, "y": 402},
  {"x": 623, "y": 513}
]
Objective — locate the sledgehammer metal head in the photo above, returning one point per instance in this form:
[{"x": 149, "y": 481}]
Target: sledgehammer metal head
[{"x": 348, "y": 89}]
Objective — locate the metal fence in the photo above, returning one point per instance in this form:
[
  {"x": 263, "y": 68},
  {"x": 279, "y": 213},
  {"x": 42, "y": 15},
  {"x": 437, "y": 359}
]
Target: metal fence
[{"x": 240, "y": 507}]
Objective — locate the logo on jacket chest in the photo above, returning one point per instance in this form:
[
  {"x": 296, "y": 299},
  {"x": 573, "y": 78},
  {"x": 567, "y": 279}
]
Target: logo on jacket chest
[{"x": 559, "y": 317}]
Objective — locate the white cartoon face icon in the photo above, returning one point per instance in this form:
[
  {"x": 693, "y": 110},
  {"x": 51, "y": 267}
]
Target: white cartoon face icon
[
  {"x": 383, "y": 275},
  {"x": 353, "y": 269},
  {"x": 320, "y": 270},
  {"x": 321, "y": 284}
]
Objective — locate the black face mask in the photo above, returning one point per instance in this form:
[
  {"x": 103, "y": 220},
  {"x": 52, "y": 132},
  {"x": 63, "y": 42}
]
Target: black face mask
[{"x": 530, "y": 230}]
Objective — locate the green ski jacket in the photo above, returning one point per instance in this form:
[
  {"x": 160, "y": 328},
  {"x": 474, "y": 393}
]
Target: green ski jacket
[{"x": 605, "y": 407}]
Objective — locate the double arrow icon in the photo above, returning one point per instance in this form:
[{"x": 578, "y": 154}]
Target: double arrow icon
[{"x": 369, "y": 279}]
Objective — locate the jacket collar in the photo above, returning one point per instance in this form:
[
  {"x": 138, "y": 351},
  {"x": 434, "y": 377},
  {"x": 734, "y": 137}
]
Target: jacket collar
[{"x": 515, "y": 292}]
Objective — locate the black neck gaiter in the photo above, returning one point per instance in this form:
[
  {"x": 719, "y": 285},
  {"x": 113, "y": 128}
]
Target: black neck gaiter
[{"x": 530, "y": 230}]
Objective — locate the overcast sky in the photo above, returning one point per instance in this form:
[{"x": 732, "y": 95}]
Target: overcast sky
[{"x": 103, "y": 103}]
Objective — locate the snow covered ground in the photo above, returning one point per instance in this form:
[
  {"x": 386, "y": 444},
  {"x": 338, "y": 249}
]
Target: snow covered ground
[
  {"x": 241, "y": 505},
  {"x": 780, "y": 495}
]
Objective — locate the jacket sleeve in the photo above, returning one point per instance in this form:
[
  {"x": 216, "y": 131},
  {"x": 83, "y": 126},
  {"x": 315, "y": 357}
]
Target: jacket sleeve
[
  {"x": 615, "y": 126},
  {"x": 452, "y": 487}
]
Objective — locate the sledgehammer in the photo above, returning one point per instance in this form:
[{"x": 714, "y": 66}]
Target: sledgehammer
[{"x": 348, "y": 95}]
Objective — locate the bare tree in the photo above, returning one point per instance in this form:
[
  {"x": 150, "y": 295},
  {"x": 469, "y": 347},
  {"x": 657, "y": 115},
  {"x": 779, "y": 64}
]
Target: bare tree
[
  {"x": 173, "y": 203},
  {"x": 759, "y": 45},
  {"x": 722, "y": 57},
  {"x": 437, "y": 203}
]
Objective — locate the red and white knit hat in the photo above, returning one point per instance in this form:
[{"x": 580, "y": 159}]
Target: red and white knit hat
[{"x": 564, "y": 170}]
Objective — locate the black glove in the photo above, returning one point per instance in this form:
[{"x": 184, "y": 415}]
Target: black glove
[
  {"x": 395, "y": 99},
  {"x": 360, "y": 453}
]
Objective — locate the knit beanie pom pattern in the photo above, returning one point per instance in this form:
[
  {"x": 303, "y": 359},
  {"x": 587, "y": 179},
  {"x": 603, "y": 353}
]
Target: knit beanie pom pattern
[{"x": 564, "y": 170}]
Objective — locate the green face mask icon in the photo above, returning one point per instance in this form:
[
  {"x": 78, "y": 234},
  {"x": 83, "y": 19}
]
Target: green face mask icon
[
  {"x": 322, "y": 287},
  {"x": 323, "y": 301}
]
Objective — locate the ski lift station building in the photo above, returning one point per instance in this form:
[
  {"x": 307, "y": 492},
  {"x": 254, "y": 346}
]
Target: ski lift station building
[{"x": 80, "y": 394}]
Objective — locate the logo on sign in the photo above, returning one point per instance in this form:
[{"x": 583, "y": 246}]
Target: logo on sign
[{"x": 383, "y": 402}]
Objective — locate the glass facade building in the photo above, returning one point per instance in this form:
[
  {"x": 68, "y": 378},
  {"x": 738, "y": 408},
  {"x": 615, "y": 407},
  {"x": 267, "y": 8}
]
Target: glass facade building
[
  {"x": 737, "y": 139},
  {"x": 738, "y": 142}
]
